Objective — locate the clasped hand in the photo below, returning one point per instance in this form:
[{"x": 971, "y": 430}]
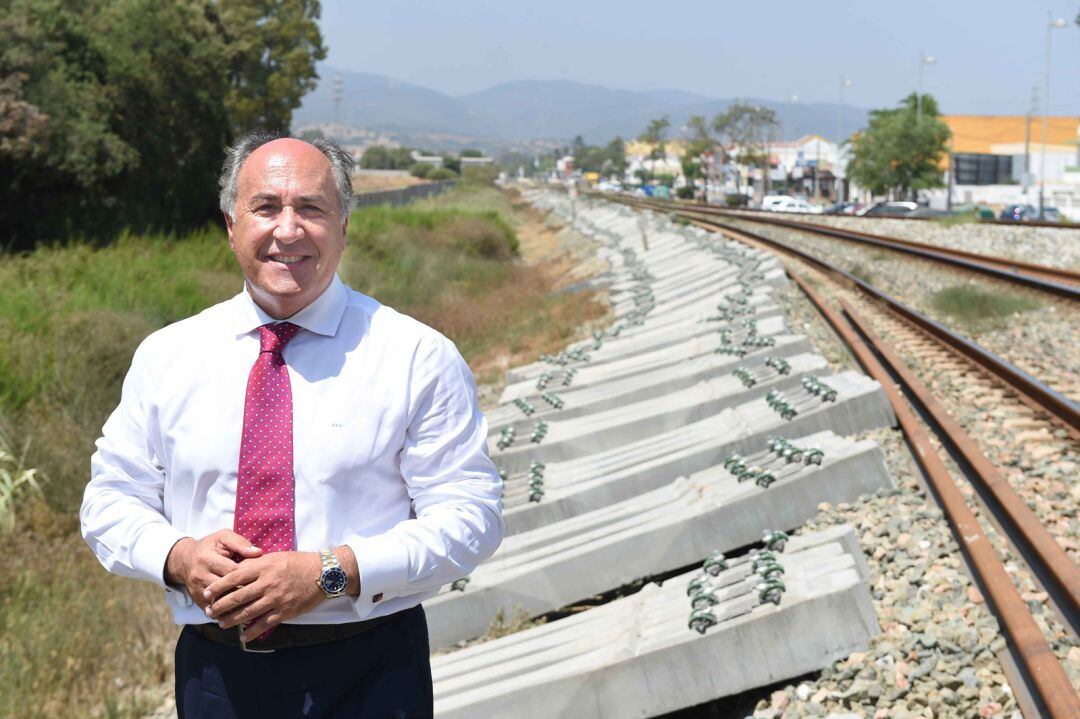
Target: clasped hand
[{"x": 260, "y": 591}]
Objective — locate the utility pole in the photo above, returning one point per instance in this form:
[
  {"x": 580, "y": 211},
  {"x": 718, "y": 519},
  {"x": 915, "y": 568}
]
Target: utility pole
[
  {"x": 1027, "y": 139},
  {"x": 924, "y": 59},
  {"x": 1051, "y": 25}
]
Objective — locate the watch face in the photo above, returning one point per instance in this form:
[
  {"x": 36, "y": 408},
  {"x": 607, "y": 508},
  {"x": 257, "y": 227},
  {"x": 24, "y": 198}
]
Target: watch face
[{"x": 334, "y": 580}]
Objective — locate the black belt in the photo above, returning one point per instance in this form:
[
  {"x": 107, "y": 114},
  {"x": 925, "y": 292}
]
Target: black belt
[{"x": 290, "y": 636}]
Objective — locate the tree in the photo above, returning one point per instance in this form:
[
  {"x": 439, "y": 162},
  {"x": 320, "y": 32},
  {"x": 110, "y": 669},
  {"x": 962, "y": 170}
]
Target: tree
[
  {"x": 381, "y": 157},
  {"x": 471, "y": 153},
  {"x": 699, "y": 146},
  {"x": 114, "y": 113},
  {"x": 747, "y": 128},
  {"x": 273, "y": 46},
  {"x": 654, "y": 136},
  {"x": 897, "y": 154}
]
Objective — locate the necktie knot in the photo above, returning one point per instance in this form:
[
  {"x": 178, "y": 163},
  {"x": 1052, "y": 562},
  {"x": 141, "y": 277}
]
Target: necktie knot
[{"x": 276, "y": 335}]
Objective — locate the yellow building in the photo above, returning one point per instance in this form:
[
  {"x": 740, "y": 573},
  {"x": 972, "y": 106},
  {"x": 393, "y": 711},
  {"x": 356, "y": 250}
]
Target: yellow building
[{"x": 993, "y": 149}]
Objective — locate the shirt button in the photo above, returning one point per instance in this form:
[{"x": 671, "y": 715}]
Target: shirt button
[{"x": 377, "y": 597}]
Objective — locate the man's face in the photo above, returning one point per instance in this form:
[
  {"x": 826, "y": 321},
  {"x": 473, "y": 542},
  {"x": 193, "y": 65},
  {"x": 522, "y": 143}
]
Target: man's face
[{"x": 288, "y": 234}]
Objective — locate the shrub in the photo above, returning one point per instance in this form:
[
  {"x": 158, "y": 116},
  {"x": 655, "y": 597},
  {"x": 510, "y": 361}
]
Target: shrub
[
  {"x": 441, "y": 173},
  {"x": 420, "y": 169},
  {"x": 685, "y": 193}
]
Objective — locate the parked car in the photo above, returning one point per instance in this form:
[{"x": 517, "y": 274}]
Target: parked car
[
  {"x": 928, "y": 212},
  {"x": 888, "y": 209},
  {"x": 839, "y": 208},
  {"x": 1052, "y": 214},
  {"x": 1018, "y": 213},
  {"x": 791, "y": 204},
  {"x": 769, "y": 202}
]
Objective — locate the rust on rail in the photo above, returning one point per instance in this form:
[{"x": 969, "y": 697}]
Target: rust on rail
[{"x": 1043, "y": 672}]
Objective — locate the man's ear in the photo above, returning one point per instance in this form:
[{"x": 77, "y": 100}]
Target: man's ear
[
  {"x": 345, "y": 227},
  {"x": 229, "y": 229}
]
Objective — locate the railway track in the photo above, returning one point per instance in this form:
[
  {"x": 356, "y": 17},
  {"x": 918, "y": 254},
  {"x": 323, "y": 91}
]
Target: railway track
[
  {"x": 1053, "y": 280},
  {"x": 981, "y": 221},
  {"x": 1038, "y": 670}
]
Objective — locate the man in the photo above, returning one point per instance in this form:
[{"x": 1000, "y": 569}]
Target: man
[{"x": 298, "y": 467}]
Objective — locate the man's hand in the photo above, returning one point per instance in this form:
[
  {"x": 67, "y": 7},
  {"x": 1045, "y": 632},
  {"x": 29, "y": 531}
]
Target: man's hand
[
  {"x": 196, "y": 564},
  {"x": 266, "y": 591}
]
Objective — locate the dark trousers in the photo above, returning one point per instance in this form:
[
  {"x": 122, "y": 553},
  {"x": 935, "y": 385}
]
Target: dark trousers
[{"x": 383, "y": 673}]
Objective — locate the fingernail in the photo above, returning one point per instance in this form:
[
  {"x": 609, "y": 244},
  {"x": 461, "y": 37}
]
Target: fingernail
[
  {"x": 206, "y": 593},
  {"x": 209, "y": 611}
]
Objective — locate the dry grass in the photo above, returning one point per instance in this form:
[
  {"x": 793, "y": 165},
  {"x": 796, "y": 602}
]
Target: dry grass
[{"x": 365, "y": 182}]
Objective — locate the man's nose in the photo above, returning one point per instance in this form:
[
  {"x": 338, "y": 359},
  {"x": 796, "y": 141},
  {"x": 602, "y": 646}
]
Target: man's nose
[{"x": 288, "y": 228}]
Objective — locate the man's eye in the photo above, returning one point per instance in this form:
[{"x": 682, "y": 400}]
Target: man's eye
[
  {"x": 265, "y": 208},
  {"x": 313, "y": 209}
]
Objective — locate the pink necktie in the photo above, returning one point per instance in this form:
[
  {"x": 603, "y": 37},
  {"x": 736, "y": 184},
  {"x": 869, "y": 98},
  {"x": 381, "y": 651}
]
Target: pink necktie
[{"x": 264, "y": 490}]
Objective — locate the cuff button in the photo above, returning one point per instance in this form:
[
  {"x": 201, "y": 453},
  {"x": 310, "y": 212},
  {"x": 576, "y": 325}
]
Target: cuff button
[{"x": 377, "y": 597}]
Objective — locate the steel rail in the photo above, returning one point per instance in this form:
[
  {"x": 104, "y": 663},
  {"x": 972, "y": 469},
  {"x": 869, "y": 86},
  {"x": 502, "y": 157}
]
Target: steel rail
[
  {"x": 1015, "y": 267},
  {"x": 1040, "y": 668},
  {"x": 981, "y": 221},
  {"x": 1064, "y": 283},
  {"x": 1033, "y": 392}
]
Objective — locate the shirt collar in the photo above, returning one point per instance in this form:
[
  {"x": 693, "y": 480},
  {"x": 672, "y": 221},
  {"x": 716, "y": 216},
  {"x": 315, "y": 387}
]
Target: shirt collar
[{"x": 321, "y": 317}]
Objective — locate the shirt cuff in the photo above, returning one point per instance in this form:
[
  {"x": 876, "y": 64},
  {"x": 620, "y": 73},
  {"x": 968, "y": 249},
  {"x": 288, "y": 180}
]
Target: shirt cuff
[
  {"x": 383, "y": 563},
  {"x": 149, "y": 552}
]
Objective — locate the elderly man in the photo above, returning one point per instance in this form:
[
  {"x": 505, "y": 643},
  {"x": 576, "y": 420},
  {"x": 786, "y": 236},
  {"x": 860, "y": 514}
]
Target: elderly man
[{"x": 297, "y": 467}]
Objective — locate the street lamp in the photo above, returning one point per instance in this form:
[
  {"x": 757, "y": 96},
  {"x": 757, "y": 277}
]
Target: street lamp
[
  {"x": 792, "y": 99},
  {"x": 844, "y": 82},
  {"x": 1051, "y": 24},
  {"x": 924, "y": 60}
]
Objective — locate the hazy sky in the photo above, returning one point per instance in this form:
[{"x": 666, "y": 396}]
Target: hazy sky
[{"x": 989, "y": 52}]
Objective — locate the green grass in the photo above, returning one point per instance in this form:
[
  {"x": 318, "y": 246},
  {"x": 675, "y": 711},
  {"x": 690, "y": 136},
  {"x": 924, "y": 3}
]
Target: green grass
[
  {"x": 75, "y": 641},
  {"x": 979, "y": 309},
  {"x": 862, "y": 272}
]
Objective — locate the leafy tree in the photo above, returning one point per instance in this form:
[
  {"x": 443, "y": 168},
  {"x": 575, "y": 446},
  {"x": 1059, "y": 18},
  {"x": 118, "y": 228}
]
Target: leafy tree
[
  {"x": 114, "y": 113},
  {"x": 451, "y": 163},
  {"x": 897, "y": 154},
  {"x": 747, "y": 128},
  {"x": 474, "y": 153},
  {"x": 615, "y": 157},
  {"x": 273, "y": 46},
  {"x": 381, "y": 157},
  {"x": 124, "y": 116},
  {"x": 654, "y": 135}
]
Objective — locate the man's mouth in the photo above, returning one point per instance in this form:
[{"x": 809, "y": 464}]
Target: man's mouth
[{"x": 286, "y": 259}]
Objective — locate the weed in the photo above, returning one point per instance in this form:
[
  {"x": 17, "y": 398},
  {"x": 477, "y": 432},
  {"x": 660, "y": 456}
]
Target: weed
[
  {"x": 503, "y": 626},
  {"x": 862, "y": 272},
  {"x": 978, "y": 308},
  {"x": 17, "y": 483}
]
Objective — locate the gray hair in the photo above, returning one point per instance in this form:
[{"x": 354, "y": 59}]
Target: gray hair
[{"x": 341, "y": 165}]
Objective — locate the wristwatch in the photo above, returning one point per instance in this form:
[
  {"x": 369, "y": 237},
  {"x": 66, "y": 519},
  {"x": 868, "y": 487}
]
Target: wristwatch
[{"x": 333, "y": 578}]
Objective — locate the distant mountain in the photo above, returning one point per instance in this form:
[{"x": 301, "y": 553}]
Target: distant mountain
[
  {"x": 530, "y": 109},
  {"x": 379, "y": 102}
]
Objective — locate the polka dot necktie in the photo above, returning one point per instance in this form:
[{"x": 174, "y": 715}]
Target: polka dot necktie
[{"x": 264, "y": 490}]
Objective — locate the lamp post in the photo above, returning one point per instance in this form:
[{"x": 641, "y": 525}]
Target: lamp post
[
  {"x": 1051, "y": 24},
  {"x": 844, "y": 82},
  {"x": 924, "y": 60}
]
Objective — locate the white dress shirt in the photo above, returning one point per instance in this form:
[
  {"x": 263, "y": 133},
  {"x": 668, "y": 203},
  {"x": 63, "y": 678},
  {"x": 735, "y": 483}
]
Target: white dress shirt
[{"x": 390, "y": 454}]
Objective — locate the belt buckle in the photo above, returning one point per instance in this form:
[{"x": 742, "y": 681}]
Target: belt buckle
[{"x": 244, "y": 645}]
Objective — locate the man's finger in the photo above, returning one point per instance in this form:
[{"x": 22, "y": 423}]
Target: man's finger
[
  {"x": 228, "y": 601},
  {"x": 233, "y": 543},
  {"x": 256, "y": 628},
  {"x": 246, "y": 614},
  {"x": 220, "y": 566},
  {"x": 240, "y": 576}
]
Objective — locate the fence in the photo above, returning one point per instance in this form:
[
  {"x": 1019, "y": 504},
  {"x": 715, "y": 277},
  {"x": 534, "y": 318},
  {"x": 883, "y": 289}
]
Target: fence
[{"x": 403, "y": 196}]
